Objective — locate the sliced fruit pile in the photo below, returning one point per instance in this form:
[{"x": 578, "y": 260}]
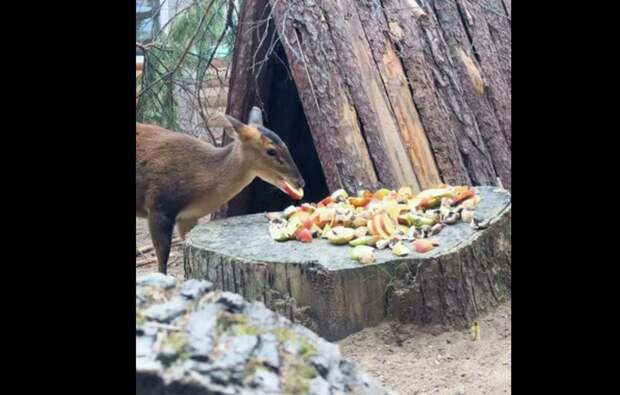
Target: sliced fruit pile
[{"x": 386, "y": 218}]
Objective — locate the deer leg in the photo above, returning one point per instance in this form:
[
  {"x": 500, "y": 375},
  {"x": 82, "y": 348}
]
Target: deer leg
[
  {"x": 161, "y": 226},
  {"x": 185, "y": 225}
]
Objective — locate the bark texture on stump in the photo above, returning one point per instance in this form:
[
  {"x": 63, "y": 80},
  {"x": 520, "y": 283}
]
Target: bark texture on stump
[
  {"x": 320, "y": 286},
  {"x": 394, "y": 93}
]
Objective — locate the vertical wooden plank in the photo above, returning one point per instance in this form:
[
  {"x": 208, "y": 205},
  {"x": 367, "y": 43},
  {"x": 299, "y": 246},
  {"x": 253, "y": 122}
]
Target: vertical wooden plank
[
  {"x": 332, "y": 117},
  {"x": 450, "y": 124},
  {"x": 476, "y": 67},
  {"x": 413, "y": 135}
]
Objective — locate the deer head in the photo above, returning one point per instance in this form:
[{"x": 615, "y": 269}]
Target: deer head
[{"x": 267, "y": 154}]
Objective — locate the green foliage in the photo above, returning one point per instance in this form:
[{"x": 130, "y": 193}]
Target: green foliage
[{"x": 169, "y": 65}]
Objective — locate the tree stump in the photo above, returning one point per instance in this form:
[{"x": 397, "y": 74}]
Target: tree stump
[{"x": 320, "y": 286}]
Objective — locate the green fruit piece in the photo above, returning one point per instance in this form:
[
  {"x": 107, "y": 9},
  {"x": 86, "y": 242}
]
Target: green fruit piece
[
  {"x": 419, "y": 220},
  {"x": 364, "y": 240},
  {"x": 400, "y": 249}
]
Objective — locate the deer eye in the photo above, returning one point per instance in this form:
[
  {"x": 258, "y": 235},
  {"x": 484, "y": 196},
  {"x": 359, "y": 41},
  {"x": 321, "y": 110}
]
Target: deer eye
[{"x": 271, "y": 152}]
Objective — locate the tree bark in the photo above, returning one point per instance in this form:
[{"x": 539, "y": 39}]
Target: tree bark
[
  {"x": 467, "y": 38},
  {"x": 315, "y": 61},
  {"x": 401, "y": 102}
]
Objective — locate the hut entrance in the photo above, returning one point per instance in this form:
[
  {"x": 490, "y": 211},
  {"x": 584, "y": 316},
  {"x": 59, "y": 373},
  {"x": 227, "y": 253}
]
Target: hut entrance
[{"x": 283, "y": 113}]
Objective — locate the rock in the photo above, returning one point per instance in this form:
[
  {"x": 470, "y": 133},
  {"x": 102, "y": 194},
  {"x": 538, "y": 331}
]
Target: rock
[
  {"x": 225, "y": 345},
  {"x": 158, "y": 280},
  {"x": 232, "y": 302},
  {"x": 267, "y": 351},
  {"x": 167, "y": 311},
  {"x": 140, "y": 297},
  {"x": 321, "y": 364},
  {"x": 144, "y": 345},
  {"x": 260, "y": 316},
  {"x": 200, "y": 328},
  {"x": 194, "y": 289},
  {"x": 292, "y": 347},
  {"x": 318, "y": 386},
  {"x": 237, "y": 352},
  {"x": 265, "y": 381}
]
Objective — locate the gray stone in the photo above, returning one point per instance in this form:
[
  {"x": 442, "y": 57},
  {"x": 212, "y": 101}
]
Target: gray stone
[
  {"x": 336, "y": 380},
  {"x": 232, "y": 302},
  {"x": 148, "y": 365},
  {"x": 194, "y": 289},
  {"x": 199, "y": 366},
  {"x": 265, "y": 381},
  {"x": 292, "y": 347},
  {"x": 147, "y": 330},
  {"x": 219, "y": 357},
  {"x": 140, "y": 297},
  {"x": 144, "y": 345},
  {"x": 223, "y": 376},
  {"x": 197, "y": 384},
  {"x": 267, "y": 350},
  {"x": 200, "y": 329},
  {"x": 321, "y": 364},
  {"x": 260, "y": 316},
  {"x": 230, "y": 365},
  {"x": 167, "y": 311},
  {"x": 318, "y": 386},
  {"x": 167, "y": 355},
  {"x": 237, "y": 352},
  {"x": 158, "y": 280}
]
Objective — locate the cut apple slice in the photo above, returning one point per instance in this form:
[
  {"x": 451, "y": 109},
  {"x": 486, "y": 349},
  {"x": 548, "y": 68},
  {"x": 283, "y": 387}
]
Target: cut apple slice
[
  {"x": 381, "y": 193},
  {"x": 296, "y": 194},
  {"x": 462, "y": 195},
  {"x": 422, "y": 246},
  {"x": 300, "y": 215},
  {"x": 359, "y": 201},
  {"x": 304, "y": 235},
  {"x": 382, "y": 226},
  {"x": 341, "y": 235},
  {"x": 364, "y": 240}
]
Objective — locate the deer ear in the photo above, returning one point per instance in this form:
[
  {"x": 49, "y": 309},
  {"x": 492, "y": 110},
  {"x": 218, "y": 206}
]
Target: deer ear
[
  {"x": 243, "y": 131},
  {"x": 235, "y": 123},
  {"x": 255, "y": 116}
]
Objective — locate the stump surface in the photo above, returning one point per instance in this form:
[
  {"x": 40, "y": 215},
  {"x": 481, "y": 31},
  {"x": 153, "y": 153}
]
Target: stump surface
[{"x": 320, "y": 285}]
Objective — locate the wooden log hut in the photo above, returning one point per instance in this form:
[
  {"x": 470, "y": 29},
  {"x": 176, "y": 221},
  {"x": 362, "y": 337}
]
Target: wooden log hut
[{"x": 371, "y": 93}]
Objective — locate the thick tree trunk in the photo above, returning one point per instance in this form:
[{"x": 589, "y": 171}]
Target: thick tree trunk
[{"x": 319, "y": 285}]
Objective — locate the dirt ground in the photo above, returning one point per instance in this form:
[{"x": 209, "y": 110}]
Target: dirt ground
[
  {"x": 448, "y": 363},
  {"x": 147, "y": 262},
  {"x": 408, "y": 361}
]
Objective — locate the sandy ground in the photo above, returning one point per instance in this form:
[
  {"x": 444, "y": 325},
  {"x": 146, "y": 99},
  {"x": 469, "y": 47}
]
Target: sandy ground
[
  {"x": 148, "y": 261},
  {"x": 408, "y": 360},
  {"x": 449, "y": 363}
]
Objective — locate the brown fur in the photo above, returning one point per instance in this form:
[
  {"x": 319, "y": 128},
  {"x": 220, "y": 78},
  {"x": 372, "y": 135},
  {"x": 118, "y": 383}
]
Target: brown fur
[{"x": 180, "y": 179}]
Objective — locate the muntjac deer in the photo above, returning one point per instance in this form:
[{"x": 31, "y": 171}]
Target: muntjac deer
[{"x": 180, "y": 179}]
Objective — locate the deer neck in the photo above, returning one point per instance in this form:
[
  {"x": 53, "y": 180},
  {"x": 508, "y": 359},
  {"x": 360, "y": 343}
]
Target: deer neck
[
  {"x": 226, "y": 171},
  {"x": 230, "y": 171}
]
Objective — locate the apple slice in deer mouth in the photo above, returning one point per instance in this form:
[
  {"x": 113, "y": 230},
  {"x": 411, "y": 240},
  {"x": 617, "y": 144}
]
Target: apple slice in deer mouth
[{"x": 296, "y": 194}]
